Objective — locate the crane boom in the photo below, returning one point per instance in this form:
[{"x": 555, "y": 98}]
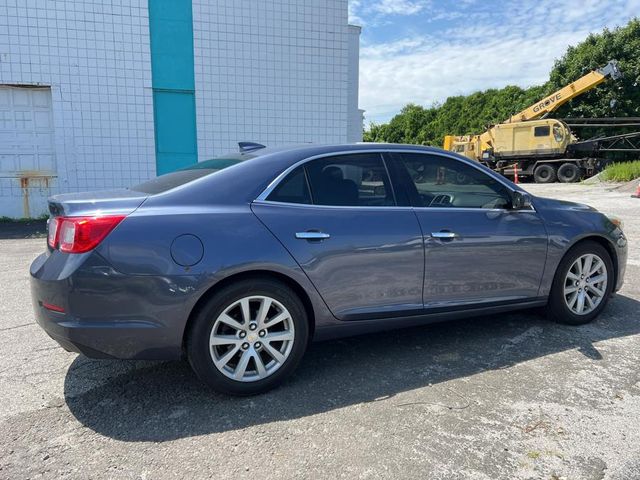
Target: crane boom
[{"x": 566, "y": 93}]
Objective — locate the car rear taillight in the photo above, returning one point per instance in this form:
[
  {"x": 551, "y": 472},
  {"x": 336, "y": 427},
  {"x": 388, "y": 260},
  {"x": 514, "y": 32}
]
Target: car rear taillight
[
  {"x": 52, "y": 235},
  {"x": 80, "y": 234}
]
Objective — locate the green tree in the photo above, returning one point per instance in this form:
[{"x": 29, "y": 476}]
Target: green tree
[{"x": 621, "y": 44}]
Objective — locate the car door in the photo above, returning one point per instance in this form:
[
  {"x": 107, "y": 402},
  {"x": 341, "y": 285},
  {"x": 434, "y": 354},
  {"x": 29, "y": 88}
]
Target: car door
[
  {"x": 338, "y": 218},
  {"x": 478, "y": 249}
]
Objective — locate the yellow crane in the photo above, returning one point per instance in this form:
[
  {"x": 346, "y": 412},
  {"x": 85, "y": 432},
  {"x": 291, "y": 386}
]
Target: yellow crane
[{"x": 539, "y": 146}]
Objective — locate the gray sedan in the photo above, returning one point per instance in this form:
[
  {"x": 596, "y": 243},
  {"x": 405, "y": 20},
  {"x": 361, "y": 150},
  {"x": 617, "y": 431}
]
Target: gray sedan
[{"x": 237, "y": 263}]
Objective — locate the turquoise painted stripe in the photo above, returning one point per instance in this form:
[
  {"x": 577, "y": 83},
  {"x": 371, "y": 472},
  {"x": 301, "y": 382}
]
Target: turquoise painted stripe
[{"x": 172, "y": 79}]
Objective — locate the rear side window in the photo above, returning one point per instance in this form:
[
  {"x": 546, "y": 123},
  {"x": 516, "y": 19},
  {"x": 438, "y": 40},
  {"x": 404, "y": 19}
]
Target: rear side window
[
  {"x": 293, "y": 189},
  {"x": 350, "y": 180}
]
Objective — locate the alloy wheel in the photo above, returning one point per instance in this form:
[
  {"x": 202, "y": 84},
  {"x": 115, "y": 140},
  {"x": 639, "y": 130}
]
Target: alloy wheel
[
  {"x": 585, "y": 284},
  {"x": 252, "y": 338}
]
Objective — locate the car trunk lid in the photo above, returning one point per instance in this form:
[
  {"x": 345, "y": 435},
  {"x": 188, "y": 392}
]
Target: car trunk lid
[{"x": 110, "y": 202}]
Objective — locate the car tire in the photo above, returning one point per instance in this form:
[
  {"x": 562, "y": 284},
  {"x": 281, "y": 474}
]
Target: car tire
[
  {"x": 207, "y": 357},
  {"x": 560, "y": 307},
  {"x": 544, "y": 173},
  {"x": 568, "y": 173}
]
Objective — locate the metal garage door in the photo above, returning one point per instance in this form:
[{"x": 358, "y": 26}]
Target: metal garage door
[{"x": 27, "y": 155}]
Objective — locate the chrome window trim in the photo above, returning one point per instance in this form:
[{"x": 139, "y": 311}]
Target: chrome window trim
[
  {"x": 387, "y": 208},
  {"x": 262, "y": 198}
]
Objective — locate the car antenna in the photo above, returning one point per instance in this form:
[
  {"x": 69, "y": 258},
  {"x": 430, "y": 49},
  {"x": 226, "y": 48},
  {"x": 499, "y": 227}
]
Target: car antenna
[{"x": 249, "y": 146}]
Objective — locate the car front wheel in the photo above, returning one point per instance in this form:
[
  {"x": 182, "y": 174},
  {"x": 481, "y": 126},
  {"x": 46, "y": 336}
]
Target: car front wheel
[
  {"x": 582, "y": 285},
  {"x": 248, "y": 337}
]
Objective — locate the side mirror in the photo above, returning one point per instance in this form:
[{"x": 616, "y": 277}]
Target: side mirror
[{"x": 521, "y": 200}]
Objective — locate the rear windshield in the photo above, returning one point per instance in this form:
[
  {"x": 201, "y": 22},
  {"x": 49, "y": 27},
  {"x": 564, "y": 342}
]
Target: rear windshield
[{"x": 171, "y": 180}]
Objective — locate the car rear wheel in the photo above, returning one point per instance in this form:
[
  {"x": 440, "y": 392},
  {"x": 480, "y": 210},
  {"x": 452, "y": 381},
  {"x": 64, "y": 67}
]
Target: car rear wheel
[
  {"x": 248, "y": 337},
  {"x": 582, "y": 285},
  {"x": 544, "y": 173}
]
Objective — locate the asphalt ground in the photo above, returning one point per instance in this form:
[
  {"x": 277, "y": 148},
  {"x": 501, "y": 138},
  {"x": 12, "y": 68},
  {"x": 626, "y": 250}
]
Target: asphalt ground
[{"x": 510, "y": 396}]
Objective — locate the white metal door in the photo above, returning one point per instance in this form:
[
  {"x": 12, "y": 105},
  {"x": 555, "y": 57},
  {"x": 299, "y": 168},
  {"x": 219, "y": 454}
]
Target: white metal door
[{"x": 27, "y": 150}]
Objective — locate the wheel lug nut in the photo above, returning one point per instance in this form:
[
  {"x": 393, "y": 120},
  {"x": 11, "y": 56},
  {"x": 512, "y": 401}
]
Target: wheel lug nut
[
  {"x": 243, "y": 334},
  {"x": 262, "y": 333},
  {"x": 245, "y": 346},
  {"x": 253, "y": 326},
  {"x": 258, "y": 345}
]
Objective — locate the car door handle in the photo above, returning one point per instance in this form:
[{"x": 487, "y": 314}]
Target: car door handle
[
  {"x": 444, "y": 234},
  {"x": 312, "y": 235}
]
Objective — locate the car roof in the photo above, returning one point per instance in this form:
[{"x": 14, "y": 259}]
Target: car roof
[
  {"x": 243, "y": 182},
  {"x": 308, "y": 149},
  {"x": 296, "y": 152}
]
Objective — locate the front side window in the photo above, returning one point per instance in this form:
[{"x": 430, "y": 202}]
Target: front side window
[
  {"x": 446, "y": 182},
  {"x": 350, "y": 180}
]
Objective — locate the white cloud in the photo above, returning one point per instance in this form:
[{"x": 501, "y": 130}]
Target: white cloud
[
  {"x": 436, "y": 71},
  {"x": 367, "y": 12},
  {"x": 399, "y": 7},
  {"x": 354, "y": 18},
  {"x": 479, "y": 54}
]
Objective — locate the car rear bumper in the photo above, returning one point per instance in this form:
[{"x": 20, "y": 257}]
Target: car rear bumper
[
  {"x": 107, "y": 314},
  {"x": 107, "y": 339}
]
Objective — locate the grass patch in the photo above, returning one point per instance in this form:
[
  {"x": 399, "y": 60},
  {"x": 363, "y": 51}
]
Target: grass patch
[{"x": 622, "y": 172}]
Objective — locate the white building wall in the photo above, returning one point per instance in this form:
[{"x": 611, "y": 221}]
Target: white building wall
[
  {"x": 95, "y": 56},
  {"x": 270, "y": 72},
  {"x": 354, "y": 115}
]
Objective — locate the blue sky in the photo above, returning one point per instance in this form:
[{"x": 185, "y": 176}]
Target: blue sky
[{"x": 423, "y": 51}]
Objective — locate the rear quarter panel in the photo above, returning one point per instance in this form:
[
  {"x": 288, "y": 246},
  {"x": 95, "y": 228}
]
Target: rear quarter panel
[{"x": 234, "y": 241}]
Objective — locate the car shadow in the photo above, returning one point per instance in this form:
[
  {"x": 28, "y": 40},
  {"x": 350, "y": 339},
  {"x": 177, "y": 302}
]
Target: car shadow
[{"x": 161, "y": 401}]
